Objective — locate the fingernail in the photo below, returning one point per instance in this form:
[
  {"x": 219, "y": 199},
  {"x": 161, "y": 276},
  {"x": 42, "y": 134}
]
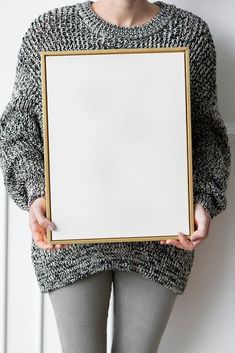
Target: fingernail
[{"x": 51, "y": 227}]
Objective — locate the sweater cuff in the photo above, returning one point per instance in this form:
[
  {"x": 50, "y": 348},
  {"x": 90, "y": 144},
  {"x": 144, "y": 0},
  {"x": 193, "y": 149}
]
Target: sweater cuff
[{"x": 34, "y": 191}]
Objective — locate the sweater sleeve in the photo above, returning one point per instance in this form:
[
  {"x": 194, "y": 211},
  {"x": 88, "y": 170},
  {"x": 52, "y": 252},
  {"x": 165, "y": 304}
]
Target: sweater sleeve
[
  {"x": 21, "y": 141},
  {"x": 210, "y": 144}
]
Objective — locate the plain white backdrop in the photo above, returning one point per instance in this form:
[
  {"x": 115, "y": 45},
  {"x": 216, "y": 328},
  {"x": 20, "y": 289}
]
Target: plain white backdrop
[{"x": 203, "y": 318}]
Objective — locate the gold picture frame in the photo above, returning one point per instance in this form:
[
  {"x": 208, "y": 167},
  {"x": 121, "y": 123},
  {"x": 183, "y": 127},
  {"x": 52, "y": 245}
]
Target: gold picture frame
[{"x": 53, "y": 107}]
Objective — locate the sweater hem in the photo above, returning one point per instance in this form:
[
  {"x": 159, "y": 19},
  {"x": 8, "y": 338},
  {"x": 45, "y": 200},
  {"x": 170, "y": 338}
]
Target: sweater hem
[{"x": 76, "y": 273}]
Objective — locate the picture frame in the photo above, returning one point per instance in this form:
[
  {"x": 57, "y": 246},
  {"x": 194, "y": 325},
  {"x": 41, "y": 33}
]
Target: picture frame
[{"x": 117, "y": 144}]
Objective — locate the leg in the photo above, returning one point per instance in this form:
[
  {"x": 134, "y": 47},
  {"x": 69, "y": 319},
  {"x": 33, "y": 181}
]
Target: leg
[
  {"x": 141, "y": 311},
  {"x": 81, "y": 310}
]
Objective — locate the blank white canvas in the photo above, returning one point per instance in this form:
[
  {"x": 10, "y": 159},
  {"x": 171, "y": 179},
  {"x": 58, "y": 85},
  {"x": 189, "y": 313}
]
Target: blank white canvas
[{"x": 117, "y": 145}]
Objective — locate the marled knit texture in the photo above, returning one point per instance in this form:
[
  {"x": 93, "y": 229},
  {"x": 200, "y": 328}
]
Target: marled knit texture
[{"x": 76, "y": 27}]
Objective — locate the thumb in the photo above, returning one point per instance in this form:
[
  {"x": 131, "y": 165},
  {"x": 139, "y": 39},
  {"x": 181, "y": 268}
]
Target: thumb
[{"x": 197, "y": 235}]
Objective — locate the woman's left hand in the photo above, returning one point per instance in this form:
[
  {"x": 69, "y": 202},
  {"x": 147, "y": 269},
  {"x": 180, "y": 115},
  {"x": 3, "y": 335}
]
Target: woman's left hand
[{"x": 202, "y": 221}]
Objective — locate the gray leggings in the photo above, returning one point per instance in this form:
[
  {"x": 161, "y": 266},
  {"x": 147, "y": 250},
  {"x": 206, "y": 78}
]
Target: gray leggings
[{"x": 141, "y": 311}]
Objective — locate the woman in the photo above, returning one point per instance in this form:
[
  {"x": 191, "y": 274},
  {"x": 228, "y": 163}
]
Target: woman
[{"x": 146, "y": 276}]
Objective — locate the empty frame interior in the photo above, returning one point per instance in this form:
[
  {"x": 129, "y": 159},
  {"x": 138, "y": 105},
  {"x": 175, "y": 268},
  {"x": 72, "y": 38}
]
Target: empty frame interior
[{"x": 117, "y": 144}]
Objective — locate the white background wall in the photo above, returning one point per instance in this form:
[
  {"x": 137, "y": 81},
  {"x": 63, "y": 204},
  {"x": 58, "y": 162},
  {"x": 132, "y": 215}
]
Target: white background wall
[{"x": 203, "y": 318}]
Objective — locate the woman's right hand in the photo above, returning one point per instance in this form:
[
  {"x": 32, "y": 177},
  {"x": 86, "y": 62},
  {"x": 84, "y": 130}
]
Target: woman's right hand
[{"x": 39, "y": 225}]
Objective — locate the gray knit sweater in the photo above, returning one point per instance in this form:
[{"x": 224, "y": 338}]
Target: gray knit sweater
[{"x": 76, "y": 27}]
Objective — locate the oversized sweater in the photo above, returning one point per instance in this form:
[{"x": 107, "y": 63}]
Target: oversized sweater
[{"x": 75, "y": 27}]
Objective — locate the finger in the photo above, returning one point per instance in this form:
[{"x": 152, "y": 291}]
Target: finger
[
  {"x": 198, "y": 234},
  {"x": 65, "y": 245},
  {"x": 182, "y": 243},
  {"x": 39, "y": 241},
  {"x": 185, "y": 242},
  {"x": 43, "y": 221},
  {"x": 162, "y": 242},
  {"x": 175, "y": 243},
  {"x": 43, "y": 237},
  {"x": 56, "y": 246},
  {"x": 197, "y": 242},
  {"x": 46, "y": 239}
]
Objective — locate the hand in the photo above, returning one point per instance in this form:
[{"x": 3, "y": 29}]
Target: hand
[
  {"x": 202, "y": 221},
  {"x": 39, "y": 225}
]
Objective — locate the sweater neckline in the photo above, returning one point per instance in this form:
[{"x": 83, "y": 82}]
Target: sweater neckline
[{"x": 104, "y": 28}]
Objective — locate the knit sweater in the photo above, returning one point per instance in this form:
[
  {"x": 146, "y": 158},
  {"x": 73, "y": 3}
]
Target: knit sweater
[{"x": 75, "y": 27}]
